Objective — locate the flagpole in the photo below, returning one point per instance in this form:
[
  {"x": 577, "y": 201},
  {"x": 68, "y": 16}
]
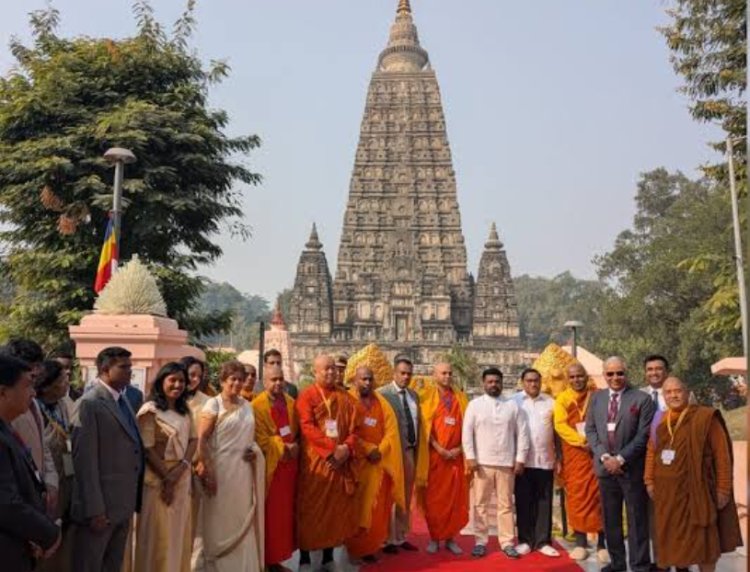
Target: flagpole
[{"x": 119, "y": 157}]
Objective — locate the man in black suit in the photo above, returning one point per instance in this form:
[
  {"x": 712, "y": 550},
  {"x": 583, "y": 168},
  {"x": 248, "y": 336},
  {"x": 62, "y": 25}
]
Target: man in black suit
[
  {"x": 617, "y": 430},
  {"x": 26, "y": 532},
  {"x": 108, "y": 460}
]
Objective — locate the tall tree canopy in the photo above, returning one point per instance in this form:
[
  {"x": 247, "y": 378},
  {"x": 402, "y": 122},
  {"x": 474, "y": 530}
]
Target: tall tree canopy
[
  {"x": 67, "y": 101},
  {"x": 656, "y": 302}
]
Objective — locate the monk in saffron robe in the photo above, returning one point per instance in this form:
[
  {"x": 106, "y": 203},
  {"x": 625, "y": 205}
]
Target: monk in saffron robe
[
  {"x": 688, "y": 475},
  {"x": 276, "y": 432},
  {"x": 582, "y": 498},
  {"x": 441, "y": 480},
  {"x": 327, "y": 514},
  {"x": 379, "y": 468}
]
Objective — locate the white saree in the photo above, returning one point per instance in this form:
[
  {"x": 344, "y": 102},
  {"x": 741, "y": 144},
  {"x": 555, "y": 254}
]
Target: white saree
[{"x": 232, "y": 520}]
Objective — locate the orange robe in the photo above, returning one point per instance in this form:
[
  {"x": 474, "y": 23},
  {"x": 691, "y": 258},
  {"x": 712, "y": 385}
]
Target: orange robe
[
  {"x": 582, "y": 498},
  {"x": 327, "y": 514},
  {"x": 379, "y": 483},
  {"x": 275, "y": 425},
  {"x": 443, "y": 491},
  {"x": 689, "y": 529}
]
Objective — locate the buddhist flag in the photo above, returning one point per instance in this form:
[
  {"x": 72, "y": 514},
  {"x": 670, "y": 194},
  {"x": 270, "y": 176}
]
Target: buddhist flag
[{"x": 108, "y": 258}]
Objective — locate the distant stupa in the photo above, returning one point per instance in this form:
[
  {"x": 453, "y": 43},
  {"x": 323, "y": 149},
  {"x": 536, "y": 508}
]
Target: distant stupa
[{"x": 401, "y": 279}]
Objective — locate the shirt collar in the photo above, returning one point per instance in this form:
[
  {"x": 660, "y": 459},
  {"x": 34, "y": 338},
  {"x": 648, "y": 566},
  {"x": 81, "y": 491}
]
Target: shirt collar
[
  {"x": 397, "y": 388},
  {"x": 618, "y": 393},
  {"x": 113, "y": 392}
]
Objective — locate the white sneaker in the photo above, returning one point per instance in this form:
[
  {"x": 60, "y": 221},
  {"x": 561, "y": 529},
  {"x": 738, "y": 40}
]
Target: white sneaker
[
  {"x": 432, "y": 547},
  {"x": 523, "y": 549},
  {"x": 453, "y": 547},
  {"x": 579, "y": 553},
  {"x": 547, "y": 550}
]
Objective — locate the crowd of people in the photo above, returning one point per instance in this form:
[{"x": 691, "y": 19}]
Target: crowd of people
[{"x": 189, "y": 478}]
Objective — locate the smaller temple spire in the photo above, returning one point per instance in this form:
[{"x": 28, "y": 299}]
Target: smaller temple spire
[
  {"x": 277, "y": 319},
  {"x": 493, "y": 242},
  {"x": 314, "y": 242},
  {"x": 404, "y": 7}
]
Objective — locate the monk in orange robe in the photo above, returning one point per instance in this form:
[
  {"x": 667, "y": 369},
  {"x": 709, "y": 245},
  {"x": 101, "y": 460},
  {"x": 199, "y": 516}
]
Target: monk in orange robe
[
  {"x": 327, "y": 514},
  {"x": 276, "y": 432},
  {"x": 441, "y": 480},
  {"x": 379, "y": 468},
  {"x": 688, "y": 475},
  {"x": 582, "y": 497}
]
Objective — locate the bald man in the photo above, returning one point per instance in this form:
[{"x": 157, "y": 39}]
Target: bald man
[
  {"x": 689, "y": 477},
  {"x": 327, "y": 513},
  {"x": 442, "y": 487},
  {"x": 277, "y": 435}
]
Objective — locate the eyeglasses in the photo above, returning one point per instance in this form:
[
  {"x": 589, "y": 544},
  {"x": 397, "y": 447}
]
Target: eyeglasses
[{"x": 615, "y": 373}]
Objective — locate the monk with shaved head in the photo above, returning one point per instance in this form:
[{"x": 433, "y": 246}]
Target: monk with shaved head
[
  {"x": 442, "y": 489},
  {"x": 327, "y": 513},
  {"x": 277, "y": 435},
  {"x": 689, "y": 477}
]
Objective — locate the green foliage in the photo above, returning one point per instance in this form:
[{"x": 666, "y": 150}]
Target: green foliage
[
  {"x": 63, "y": 104},
  {"x": 214, "y": 360},
  {"x": 656, "y": 302},
  {"x": 545, "y": 304},
  {"x": 244, "y": 312},
  {"x": 708, "y": 39},
  {"x": 466, "y": 372}
]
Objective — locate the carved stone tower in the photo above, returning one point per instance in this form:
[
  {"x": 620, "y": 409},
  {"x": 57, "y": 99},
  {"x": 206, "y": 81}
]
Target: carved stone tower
[{"x": 401, "y": 276}]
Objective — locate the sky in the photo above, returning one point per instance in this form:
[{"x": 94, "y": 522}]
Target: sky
[{"x": 553, "y": 110}]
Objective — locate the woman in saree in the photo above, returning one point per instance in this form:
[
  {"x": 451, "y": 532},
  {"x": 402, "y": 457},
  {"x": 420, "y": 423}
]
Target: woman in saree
[
  {"x": 163, "y": 534},
  {"x": 232, "y": 473}
]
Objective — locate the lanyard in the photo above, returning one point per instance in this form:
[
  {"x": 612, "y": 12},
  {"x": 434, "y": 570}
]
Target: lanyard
[
  {"x": 326, "y": 402},
  {"x": 447, "y": 400},
  {"x": 672, "y": 433},
  {"x": 582, "y": 413},
  {"x": 53, "y": 415}
]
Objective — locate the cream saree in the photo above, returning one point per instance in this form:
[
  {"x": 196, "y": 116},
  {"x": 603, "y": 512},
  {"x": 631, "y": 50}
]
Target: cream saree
[
  {"x": 163, "y": 541},
  {"x": 232, "y": 520}
]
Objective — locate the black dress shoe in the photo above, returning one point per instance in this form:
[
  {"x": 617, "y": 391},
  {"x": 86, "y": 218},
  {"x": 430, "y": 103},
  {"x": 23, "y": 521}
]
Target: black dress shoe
[
  {"x": 390, "y": 549},
  {"x": 370, "y": 559},
  {"x": 408, "y": 546}
]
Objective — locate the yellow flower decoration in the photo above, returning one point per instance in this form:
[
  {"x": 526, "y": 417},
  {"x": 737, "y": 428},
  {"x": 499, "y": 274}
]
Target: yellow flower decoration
[{"x": 372, "y": 357}]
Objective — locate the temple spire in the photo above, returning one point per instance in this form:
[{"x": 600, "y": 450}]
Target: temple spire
[
  {"x": 493, "y": 242},
  {"x": 403, "y": 52},
  {"x": 404, "y": 7},
  {"x": 313, "y": 242}
]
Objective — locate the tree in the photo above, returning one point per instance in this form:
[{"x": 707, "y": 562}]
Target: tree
[
  {"x": 466, "y": 372},
  {"x": 545, "y": 304},
  {"x": 708, "y": 40},
  {"x": 244, "y": 312},
  {"x": 63, "y": 104},
  {"x": 655, "y": 303}
]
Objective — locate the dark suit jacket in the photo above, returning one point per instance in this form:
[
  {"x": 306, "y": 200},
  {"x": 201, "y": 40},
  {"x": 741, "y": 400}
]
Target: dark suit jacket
[
  {"x": 108, "y": 459},
  {"x": 134, "y": 397},
  {"x": 22, "y": 508},
  {"x": 392, "y": 396},
  {"x": 631, "y": 432}
]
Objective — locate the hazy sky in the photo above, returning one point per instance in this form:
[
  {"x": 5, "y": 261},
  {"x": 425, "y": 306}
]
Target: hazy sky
[{"x": 553, "y": 110}]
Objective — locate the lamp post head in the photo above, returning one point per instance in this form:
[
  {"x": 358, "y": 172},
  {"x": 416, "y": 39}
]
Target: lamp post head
[
  {"x": 119, "y": 155},
  {"x": 573, "y": 324}
]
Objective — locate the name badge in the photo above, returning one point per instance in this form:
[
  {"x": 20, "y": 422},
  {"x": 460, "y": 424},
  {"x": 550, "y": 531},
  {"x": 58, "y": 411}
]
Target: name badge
[
  {"x": 285, "y": 430},
  {"x": 611, "y": 427},
  {"x": 581, "y": 428},
  {"x": 332, "y": 429},
  {"x": 450, "y": 420},
  {"x": 667, "y": 456},
  {"x": 371, "y": 421},
  {"x": 67, "y": 461}
]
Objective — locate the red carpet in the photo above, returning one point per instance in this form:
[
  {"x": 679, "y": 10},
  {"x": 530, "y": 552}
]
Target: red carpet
[{"x": 444, "y": 560}]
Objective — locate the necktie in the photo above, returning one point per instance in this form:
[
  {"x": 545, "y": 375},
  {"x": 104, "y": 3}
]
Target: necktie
[
  {"x": 611, "y": 416},
  {"x": 411, "y": 437},
  {"x": 655, "y": 397},
  {"x": 125, "y": 410}
]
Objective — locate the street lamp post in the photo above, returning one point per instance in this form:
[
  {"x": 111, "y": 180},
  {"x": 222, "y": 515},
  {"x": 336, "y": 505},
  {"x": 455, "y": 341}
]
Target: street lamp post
[
  {"x": 574, "y": 325},
  {"x": 738, "y": 244},
  {"x": 118, "y": 157}
]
